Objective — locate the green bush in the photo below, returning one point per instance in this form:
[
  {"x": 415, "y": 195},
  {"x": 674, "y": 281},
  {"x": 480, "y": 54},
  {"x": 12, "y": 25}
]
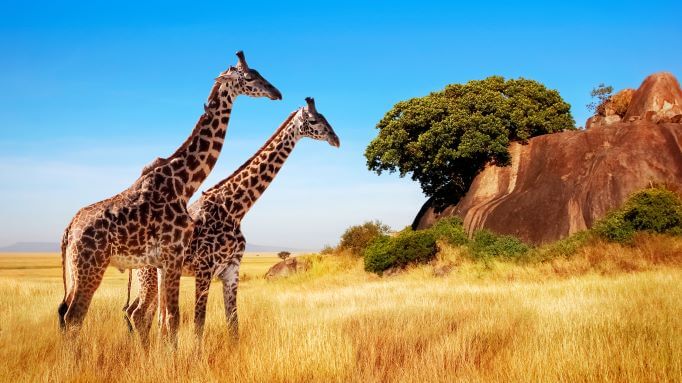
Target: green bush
[
  {"x": 356, "y": 238},
  {"x": 614, "y": 228},
  {"x": 406, "y": 248},
  {"x": 380, "y": 255},
  {"x": 410, "y": 247},
  {"x": 562, "y": 248},
  {"x": 450, "y": 230},
  {"x": 655, "y": 210},
  {"x": 487, "y": 244}
]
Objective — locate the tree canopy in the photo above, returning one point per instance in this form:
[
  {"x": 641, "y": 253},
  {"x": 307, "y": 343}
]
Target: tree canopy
[
  {"x": 356, "y": 238},
  {"x": 445, "y": 138}
]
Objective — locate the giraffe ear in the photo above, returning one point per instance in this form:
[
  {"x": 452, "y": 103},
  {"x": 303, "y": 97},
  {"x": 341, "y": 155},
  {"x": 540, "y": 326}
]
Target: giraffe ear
[{"x": 227, "y": 75}]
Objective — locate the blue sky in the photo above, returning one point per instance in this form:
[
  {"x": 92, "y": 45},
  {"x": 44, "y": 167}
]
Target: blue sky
[{"x": 91, "y": 92}]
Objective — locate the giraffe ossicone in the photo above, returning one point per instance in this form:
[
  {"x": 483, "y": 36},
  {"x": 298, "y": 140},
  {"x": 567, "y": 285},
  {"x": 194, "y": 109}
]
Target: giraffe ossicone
[
  {"x": 217, "y": 243},
  {"x": 148, "y": 224}
]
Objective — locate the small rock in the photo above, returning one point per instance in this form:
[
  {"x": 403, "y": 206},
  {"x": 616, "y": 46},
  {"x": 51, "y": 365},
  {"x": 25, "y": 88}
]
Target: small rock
[{"x": 287, "y": 267}]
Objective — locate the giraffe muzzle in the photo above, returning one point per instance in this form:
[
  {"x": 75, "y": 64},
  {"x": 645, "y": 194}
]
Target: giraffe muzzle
[
  {"x": 334, "y": 141},
  {"x": 275, "y": 94}
]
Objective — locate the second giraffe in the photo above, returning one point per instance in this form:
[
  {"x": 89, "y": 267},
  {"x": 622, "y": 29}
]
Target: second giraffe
[{"x": 218, "y": 244}]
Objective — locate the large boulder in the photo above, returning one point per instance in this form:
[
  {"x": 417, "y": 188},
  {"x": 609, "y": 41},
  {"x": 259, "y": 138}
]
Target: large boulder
[
  {"x": 562, "y": 183},
  {"x": 659, "y": 98}
]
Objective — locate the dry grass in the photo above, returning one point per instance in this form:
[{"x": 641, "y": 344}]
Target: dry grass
[{"x": 609, "y": 313}]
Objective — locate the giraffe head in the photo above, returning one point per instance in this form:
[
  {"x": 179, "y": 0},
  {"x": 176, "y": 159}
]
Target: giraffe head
[
  {"x": 247, "y": 81},
  {"x": 313, "y": 124}
]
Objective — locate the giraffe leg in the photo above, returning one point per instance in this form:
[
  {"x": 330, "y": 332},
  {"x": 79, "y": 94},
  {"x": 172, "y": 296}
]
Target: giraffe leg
[
  {"x": 230, "y": 278},
  {"x": 129, "y": 308},
  {"x": 87, "y": 279},
  {"x": 143, "y": 313},
  {"x": 161, "y": 280},
  {"x": 202, "y": 284},
  {"x": 61, "y": 311},
  {"x": 170, "y": 291},
  {"x": 128, "y": 314}
]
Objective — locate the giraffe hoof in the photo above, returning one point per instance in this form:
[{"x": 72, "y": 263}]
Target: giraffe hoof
[{"x": 131, "y": 329}]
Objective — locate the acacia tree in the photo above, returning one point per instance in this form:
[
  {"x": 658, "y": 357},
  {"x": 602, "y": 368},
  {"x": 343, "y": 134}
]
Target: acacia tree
[
  {"x": 445, "y": 138},
  {"x": 283, "y": 255}
]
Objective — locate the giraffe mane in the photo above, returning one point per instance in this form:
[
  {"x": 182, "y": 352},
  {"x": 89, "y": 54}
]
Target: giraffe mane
[
  {"x": 247, "y": 162},
  {"x": 213, "y": 96},
  {"x": 162, "y": 161}
]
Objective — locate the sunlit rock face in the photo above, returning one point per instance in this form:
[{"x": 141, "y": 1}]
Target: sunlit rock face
[
  {"x": 562, "y": 183},
  {"x": 658, "y": 99}
]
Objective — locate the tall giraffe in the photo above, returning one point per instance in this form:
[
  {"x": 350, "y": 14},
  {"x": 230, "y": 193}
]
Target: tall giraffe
[
  {"x": 218, "y": 244},
  {"x": 148, "y": 223}
]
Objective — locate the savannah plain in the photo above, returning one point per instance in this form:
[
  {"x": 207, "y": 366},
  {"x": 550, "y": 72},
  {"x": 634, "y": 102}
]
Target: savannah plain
[{"x": 609, "y": 312}]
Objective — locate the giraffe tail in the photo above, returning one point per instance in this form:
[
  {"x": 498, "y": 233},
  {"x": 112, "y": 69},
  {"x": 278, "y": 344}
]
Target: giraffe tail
[
  {"x": 64, "y": 307},
  {"x": 127, "y": 310},
  {"x": 130, "y": 280}
]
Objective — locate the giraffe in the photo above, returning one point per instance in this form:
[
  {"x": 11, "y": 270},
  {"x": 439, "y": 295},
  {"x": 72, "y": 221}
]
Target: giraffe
[
  {"x": 217, "y": 243},
  {"x": 148, "y": 224}
]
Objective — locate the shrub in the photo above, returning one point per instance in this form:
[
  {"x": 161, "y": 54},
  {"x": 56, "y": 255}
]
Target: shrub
[
  {"x": 327, "y": 250},
  {"x": 658, "y": 210},
  {"x": 283, "y": 255},
  {"x": 621, "y": 101},
  {"x": 562, "y": 248},
  {"x": 655, "y": 210},
  {"x": 380, "y": 255},
  {"x": 450, "y": 230},
  {"x": 356, "y": 238},
  {"x": 614, "y": 228},
  {"x": 487, "y": 244},
  {"x": 406, "y": 248}
]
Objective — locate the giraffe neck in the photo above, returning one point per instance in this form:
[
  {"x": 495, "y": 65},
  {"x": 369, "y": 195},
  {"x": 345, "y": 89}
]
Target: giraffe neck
[
  {"x": 195, "y": 158},
  {"x": 239, "y": 192}
]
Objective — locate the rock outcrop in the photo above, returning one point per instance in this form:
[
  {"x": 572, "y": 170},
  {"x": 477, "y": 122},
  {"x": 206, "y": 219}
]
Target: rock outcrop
[
  {"x": 287, "y": 267},
  {"x": 562, "y": 183},
  {"x": 658, "y": 99}
]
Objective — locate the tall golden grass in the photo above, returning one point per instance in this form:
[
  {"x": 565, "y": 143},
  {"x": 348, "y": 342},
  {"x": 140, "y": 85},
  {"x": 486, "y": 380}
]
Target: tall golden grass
[{"x": 607, "y": 313}]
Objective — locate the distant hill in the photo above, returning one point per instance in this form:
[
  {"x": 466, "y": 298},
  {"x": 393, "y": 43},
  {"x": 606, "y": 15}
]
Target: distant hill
[
  {"x": 31, "y": 247},
  {"x": 252, "y": 248},
  {"x": 53, "y": 247}
]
